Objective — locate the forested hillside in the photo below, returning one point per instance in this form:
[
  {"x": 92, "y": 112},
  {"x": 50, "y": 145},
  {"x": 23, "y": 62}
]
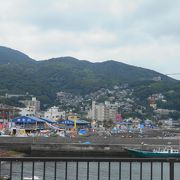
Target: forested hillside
[{"x": 20, "y": 74}]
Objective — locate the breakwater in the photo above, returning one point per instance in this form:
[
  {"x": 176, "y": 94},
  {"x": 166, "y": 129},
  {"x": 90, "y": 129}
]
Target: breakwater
[{"x": 98, "y": 146}]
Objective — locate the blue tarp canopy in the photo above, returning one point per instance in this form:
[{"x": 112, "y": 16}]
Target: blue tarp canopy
[
  {"x": 141, "y": 126},
  {"x": 70, "y": 122},
  {"x": 27, "y": 120},
  {"x": 82, "y": 132},
  {"x": 82, "y": 122},
  {"x": 87, "y": 142},
  {"x": 49, "y": 120},
  {"x": 67, "y": 122}
]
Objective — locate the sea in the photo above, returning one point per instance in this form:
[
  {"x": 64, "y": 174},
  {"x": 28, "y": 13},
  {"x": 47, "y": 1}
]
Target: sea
[{"x": 92, "y": 174}]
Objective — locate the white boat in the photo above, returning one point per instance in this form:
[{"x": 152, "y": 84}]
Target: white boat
[{"x": 166, "y": 152}]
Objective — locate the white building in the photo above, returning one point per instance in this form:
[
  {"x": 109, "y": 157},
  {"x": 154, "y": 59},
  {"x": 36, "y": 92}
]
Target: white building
[
  {"x": 54, "y": 113},
  {"x": 100, "y": 112},
  {"x": 31, "y": 109},
  {"x": 32, "y": 103},
  {"x": 28, "y": 111},
  {"x": 103, "y": 111}
]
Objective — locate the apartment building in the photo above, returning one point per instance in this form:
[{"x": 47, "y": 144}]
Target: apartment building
[
  {"x": 103, "y": 111},
  {"x": 54, "y": 113},
  {"x": 32, "y": 107}
]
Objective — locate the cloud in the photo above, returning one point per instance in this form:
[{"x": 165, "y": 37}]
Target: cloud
[{"x": 142, "y": 32}]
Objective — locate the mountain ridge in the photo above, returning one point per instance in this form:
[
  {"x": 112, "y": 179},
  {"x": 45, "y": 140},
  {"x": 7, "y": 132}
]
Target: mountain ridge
[
  {"x": 8, "y": 55},
  {"x": 20, "y": 74}
]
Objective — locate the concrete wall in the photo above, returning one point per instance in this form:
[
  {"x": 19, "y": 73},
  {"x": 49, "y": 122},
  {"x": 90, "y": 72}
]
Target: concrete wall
[
  {"x": 100, "y": 146},
  {"x": 94, "y": 140},
  {"x": 77, "y": 150}
]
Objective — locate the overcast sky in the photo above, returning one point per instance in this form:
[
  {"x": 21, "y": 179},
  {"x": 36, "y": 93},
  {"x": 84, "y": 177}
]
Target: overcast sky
[{"x": 144, "y": 33}]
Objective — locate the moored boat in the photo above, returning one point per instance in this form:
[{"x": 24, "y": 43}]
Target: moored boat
[{"x": 166, "y": 152}]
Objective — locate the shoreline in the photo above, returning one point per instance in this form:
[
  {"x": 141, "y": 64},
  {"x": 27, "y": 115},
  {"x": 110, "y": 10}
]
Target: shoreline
[
  {"x": 11, "y": 153},
  {"x": 84, "y": 146}
]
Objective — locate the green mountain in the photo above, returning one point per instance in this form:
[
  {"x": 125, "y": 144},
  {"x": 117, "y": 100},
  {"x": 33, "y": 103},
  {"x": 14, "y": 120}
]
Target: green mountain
[
  {"x": 8, "y": 56},
  {"x": 20, "y": 74}
]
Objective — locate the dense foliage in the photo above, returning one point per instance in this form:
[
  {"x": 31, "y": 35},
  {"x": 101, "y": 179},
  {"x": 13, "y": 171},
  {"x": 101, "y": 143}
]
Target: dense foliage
[
  {"x": 20, "y": 74},
  {"x": 170, "y": 90}
]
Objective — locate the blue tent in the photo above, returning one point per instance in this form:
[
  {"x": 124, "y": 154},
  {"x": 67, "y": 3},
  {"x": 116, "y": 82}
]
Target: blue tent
[
  {"x": 87, "y": 142},
  {"x": 82, "y": 122},
  {"x": 27, "y": 120},
  {"x": 67, "y": 122},
  {"x": 71, "y": 122},
  {"x": 82, "y": 132},
  {"x": 141, "y": 126}
]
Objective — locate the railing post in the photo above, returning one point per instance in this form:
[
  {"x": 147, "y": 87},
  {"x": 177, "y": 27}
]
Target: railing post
[
  {"x": 171, "y": 170},
  {"x": 172, "y": 162}
]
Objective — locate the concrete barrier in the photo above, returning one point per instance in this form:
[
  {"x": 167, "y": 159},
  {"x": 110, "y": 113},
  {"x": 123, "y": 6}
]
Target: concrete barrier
[{"x": 100, "y": 146}]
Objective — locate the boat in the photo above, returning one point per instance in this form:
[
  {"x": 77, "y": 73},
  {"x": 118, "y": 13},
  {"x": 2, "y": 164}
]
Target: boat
[{"x": 159, "y": 153}]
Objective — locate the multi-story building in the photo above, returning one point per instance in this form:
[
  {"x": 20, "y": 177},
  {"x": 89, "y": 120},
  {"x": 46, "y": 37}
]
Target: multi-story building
[
  {"x": 54, "y": 113},
  {"x": 100, "y": 112},
  {"x": 7, "y": 112},
  {"x": 103, "y": 111},
  {"x": 32, "y": 107},
  {"x": 27, "y": 111},
  {"x": 32, "y": 103}
]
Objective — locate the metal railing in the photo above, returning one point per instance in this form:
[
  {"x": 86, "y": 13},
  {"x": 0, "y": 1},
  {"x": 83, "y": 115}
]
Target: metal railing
[{"x": 87, "y": 168}]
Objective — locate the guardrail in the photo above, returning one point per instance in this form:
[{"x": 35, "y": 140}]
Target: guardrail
[{"x": 77, "y": 168}]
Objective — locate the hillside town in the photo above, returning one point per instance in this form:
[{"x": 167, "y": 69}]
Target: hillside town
[{"x": 114, "y": 111}]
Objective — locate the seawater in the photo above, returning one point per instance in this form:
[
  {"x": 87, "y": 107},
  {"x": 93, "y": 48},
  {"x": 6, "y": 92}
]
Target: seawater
[{"x": 93, "y": 171}]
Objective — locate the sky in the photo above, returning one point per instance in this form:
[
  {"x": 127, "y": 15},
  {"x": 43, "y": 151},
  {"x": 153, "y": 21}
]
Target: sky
[{"x": 144, "y": 33}]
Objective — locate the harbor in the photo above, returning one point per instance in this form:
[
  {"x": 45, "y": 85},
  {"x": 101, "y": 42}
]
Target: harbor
[{"x": 85, "y": 146}]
